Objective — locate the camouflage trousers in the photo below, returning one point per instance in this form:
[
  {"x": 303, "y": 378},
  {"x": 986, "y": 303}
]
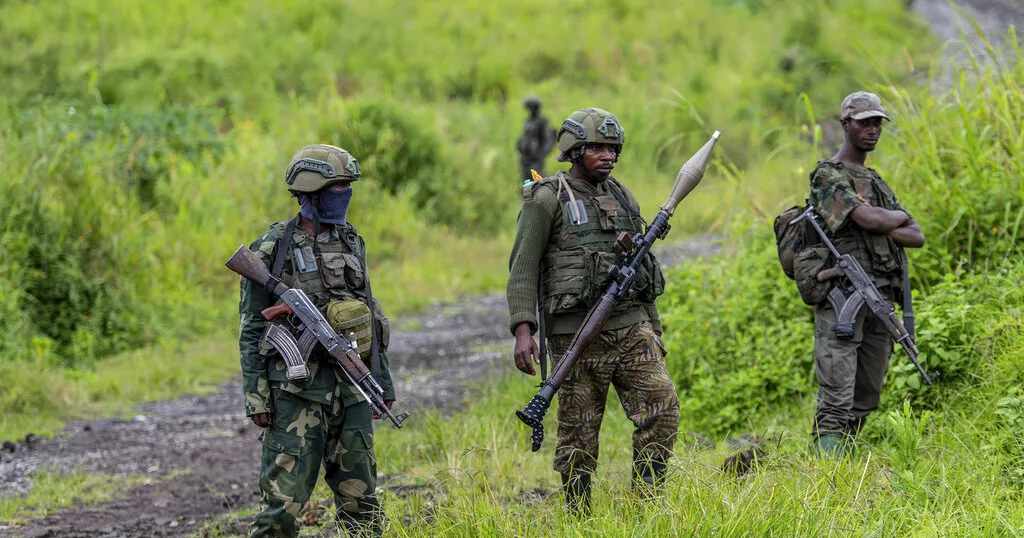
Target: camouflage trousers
[
  {"x": 633, "y": 360},
  {"x": 850, "y": 371},
  {"x": 303, "y": 436}
]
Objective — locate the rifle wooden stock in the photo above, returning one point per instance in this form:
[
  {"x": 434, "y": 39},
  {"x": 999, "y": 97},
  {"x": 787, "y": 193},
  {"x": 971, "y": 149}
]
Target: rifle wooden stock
[{"x": 247, "y": 264}]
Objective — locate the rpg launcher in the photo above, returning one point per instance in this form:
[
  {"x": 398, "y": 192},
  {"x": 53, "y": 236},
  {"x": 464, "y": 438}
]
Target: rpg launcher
[{"x": 620, "y": 280}]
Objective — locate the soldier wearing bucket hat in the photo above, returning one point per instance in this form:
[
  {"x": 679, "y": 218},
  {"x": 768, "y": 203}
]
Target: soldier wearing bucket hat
[
  {"x": 566, "y": 239},
  {"x": 863, "y": 217},
  {"x": 321, "y": 419}
]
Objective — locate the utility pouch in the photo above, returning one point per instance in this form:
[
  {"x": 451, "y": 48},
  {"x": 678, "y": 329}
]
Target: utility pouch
[{"x": 806, "y": 265}]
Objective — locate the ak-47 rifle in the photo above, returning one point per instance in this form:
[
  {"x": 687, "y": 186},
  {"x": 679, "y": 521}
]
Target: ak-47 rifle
[
  {"x": 620, "y": 281},
  {"x": 245, "y": 263},
  {"x": 855, "y": 290}
]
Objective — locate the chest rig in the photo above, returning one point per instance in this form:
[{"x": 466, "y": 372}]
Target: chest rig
[
  {"x": 878, "y": 255},
  {"x": 583, "y": 246},
  {"x": 332, "y": 274}
]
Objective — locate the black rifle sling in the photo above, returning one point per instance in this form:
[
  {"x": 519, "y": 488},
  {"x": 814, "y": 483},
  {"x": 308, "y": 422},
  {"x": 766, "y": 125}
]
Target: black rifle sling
[
  {"x": 282, "y": 248},
  {"x": 374, "y": 337},
  {"x": 621, "y": 198},
  {"x": 908, "y": 299}
]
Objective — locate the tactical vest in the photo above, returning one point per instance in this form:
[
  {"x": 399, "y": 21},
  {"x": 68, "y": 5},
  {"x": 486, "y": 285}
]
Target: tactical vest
[
  {"x": 879, "y": 255},
  {"x": 575, "y": 266},
  {"x": 337, "y": 275}
]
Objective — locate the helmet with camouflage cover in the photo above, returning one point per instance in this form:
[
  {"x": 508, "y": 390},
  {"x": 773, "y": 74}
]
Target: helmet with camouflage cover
[
  {"x": 589, "y": 126},
  {"x": 320, "y": 165}
]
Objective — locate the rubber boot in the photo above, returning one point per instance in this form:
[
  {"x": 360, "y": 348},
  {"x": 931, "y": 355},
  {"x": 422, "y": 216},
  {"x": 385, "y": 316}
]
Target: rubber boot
[
  {"x": 648, "y": 474},
  {"x": 577, "y": 494},
  {"x": 829, "y": 445}
]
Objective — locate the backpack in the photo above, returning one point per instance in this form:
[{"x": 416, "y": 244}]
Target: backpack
[{"x": 790, "y": 240}]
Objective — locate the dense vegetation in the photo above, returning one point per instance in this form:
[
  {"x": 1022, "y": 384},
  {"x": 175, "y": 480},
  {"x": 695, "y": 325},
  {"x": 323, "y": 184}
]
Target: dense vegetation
[
  {"x": 941, "y": 460},
  {"x": 144, "y": 141}
]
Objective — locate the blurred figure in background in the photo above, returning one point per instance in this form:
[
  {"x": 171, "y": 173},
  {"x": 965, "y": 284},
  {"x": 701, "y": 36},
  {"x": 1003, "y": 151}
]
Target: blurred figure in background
[{"x": 536, "y": 141}]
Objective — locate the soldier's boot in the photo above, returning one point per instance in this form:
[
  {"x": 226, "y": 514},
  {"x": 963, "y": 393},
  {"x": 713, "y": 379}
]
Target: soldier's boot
[
  {"x": 576, "y": 487},
  {"x": 648, "y": 473},
  {"x": 829, "y": 445},
  {"x": 369, "y": 524},
  {"x": 361, "y": 529}
]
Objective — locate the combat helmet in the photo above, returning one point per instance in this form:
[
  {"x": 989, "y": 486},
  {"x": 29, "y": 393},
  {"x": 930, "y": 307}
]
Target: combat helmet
[
  {"x": 531, "y": 101},
  {"x": 319, "y": 165},
  {"x": 589, "y": 126}
]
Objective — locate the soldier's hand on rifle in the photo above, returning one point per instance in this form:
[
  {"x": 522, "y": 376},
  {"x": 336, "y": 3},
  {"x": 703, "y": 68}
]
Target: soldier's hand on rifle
[
  {"x": 376, "y": 415},
  {"x": 263, "y": 420},
  {"x": 526, "y": 348}
]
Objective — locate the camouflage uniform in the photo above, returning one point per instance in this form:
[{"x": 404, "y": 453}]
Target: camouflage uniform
[
  {"x": 572, "y": 256},
  {"x": 536, "y": 141},
  {"x": 633, "y": 360},
  {"x": 851, "y": 371},
  {"x": 322, "y": 419}
]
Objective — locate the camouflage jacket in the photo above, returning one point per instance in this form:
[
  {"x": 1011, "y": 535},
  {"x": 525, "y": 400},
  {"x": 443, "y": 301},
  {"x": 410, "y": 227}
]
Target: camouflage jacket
[
  {"x": 339, "y": 277},
  {"x": 834, "y": 190}
]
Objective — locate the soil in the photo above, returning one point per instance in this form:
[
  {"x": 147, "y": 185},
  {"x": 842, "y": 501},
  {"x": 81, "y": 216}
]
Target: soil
[{"x": 201, "y": 455}]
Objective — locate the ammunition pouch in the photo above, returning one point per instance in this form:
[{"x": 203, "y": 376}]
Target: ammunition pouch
[{"x": 351, "y": 318}]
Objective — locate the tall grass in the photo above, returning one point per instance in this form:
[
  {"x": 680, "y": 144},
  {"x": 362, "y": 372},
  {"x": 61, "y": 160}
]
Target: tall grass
[
  {"x": 944, "y": 460},
  {"x": 143, "y": 141}
]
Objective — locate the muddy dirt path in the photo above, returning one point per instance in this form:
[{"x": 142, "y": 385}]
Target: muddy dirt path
[{"x": 200, "y": 454}]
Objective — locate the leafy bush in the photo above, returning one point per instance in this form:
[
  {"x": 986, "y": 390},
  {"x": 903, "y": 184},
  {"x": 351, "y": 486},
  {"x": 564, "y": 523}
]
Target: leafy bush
[
  {"x": 738, "y": 343},
  {"x": 740, "y": 340}
]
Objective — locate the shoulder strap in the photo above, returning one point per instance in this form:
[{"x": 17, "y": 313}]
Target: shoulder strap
[
  {"x": 374, "y": 337},
  {"x": 621, "y": 198},
  {"x": 282, "y": 247}
]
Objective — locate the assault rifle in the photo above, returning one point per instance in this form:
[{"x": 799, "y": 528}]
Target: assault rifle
[
  {"x": 620, "y": 281},
  {"x": 854, "y": 290},
  {"x": 245, "y": 263}
]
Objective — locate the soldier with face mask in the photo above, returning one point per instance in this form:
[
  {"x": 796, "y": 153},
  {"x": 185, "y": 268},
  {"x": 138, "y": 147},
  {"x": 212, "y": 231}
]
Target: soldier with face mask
[
  {"x": 862, "y": 217},
  {"x": 321, "y": 419},
  {"x": 566, "y": 237}
]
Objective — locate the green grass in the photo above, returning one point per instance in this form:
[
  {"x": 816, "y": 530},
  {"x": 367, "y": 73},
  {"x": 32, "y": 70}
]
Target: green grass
[
  {"x": 53, "y": 491},
  {"x": 941, "y": 460}
]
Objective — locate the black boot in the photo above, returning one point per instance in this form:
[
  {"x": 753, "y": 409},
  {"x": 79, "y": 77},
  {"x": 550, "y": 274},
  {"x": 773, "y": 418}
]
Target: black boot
[
  {"x": 648, "y": 474},
  {"x": 577, "y": 494}
]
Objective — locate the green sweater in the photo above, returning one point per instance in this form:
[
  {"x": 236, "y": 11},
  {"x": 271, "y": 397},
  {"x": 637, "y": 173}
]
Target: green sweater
[{"x": 540, "y": 221}]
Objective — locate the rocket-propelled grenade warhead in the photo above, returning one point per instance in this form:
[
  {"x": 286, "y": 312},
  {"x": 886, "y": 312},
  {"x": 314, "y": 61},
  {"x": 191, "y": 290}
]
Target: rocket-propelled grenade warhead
[{"x": 690, "y": 175}]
